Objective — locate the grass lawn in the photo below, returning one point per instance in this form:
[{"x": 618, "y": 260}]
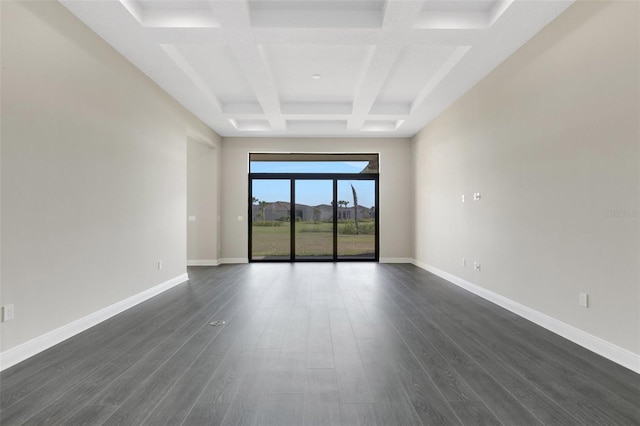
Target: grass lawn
[{"x": 312, "y": 239}]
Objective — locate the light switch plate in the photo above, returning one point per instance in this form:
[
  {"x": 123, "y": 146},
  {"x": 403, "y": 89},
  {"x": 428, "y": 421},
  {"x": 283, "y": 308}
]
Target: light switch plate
[
  {"x": 7, "y": 313},
  {"x": 583, "y": 299}
]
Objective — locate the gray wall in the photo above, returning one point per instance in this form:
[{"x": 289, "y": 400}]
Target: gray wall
[
  {"x": 396, "y": 237},
  {"x": 93, "y": 173},
  {"x": 551, "y": 141},
  {"x": 203, "y": 200}
]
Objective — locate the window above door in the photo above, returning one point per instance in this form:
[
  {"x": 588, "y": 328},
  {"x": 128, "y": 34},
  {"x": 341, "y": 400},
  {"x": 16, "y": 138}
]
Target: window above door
[{"x": 287, "y": 163}]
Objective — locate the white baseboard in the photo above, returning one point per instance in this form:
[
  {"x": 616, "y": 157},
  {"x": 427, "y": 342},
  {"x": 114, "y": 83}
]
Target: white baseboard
[
  {"x": 234, "y": 260},
  {"x": 595, "y": 344},
  {"x": 28, "y": 349},
  {"x": 396, "y": 260},
  {"x": 213, "y": 262}
]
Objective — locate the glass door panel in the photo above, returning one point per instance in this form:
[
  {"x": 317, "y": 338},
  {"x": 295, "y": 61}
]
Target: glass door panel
[
  {"x": 313, "y": 219},
  {"x": 270, "y": 219},
  {"x": 357, "y": 219}
]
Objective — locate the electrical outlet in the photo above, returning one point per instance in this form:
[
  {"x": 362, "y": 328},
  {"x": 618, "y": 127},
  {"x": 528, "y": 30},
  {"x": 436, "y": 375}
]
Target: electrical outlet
[
  {"x": 476, "y": 196},
  {"x": 159, "y": 264},
  {"x": 583, "y": 299},
  {"x": 462, "y": 198},
  {"x": 476, "y": 266},
  {"x": 7, "y": 313}
]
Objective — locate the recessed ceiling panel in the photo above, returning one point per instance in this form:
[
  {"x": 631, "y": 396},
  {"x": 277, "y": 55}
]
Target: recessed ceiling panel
[
  {"x": 381, "y": 125},
  {"x": 316, "y": 13},
  {"x": 415, "y": 67},
  {"x": 460, "y": 14},
  {"x": 218, "y": 68},
  {"x": 391, "y": 108},
  {"x": 310, "y": 108},
  {"x": 172, "y": 13},
  {"x": 317, "y": 73},
  {"x": 316, "y": 126},
  {"x": 251, "y": 125}
]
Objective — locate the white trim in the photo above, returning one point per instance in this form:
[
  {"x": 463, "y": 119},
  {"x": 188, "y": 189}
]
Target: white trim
[
  {"x": 198, "y": 137},
  {"x": 234, "y": 260},
  {"x": 213, "y": 262},
  {"x": 396, "y": 260},
  {"x": 28, "y": 349},
  {"x": 595, "y": 344}
]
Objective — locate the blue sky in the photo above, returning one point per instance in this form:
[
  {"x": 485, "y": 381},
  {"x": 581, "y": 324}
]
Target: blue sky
[
  {"x": 312, "y": 192},
  {"x": 308, "y": 166}
]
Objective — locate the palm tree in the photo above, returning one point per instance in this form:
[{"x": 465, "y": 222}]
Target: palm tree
[
  {"x": 262, "y": 205},
  {"x": 345, "y": 204},
  {"x": 355, "y": 204},
  {"x": 254, "y": 201}
]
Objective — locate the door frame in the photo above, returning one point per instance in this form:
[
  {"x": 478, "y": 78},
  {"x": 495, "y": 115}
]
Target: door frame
[{"x": 334, "y": 177}]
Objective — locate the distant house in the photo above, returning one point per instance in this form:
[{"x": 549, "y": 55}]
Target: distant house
[
  {"x": 345, "y": 213},
  {"x": 281, "y": 211}
]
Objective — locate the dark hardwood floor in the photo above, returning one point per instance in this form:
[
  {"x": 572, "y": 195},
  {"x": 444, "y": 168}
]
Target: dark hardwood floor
[{"x": 318, "y": 344}]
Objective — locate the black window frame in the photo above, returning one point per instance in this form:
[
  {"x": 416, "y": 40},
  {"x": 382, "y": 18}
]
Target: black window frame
[{"x": 335, "y": 177}]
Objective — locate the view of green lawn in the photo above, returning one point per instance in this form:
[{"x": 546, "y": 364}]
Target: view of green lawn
[{"x": 312, "y": 239}]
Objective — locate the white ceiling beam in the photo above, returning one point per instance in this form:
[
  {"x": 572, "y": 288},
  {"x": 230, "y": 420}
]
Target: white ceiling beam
[
  {"x": 254, "y": 64},
  {"x": 401, "y": 14},
  {"x": 251, "y": 58},
  {"x": 180, "y": 61},
  {"x": 398, "y": 15},
  {"x": 374, "y": 76},
  {"x": 440, "y": 75}
]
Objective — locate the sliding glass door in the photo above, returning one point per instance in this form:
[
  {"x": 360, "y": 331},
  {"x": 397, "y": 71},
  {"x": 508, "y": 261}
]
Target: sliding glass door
[
  {"x": 270, "y": 219},
  {"x": 356, "y": 219},
  {"x": 313, "y": 217},
  {"x": 313, "y": 207},
  {"x": 313, "y": 225}
]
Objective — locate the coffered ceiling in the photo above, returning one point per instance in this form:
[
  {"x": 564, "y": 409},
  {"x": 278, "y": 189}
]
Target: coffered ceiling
[{"x": 316, "y": 67}]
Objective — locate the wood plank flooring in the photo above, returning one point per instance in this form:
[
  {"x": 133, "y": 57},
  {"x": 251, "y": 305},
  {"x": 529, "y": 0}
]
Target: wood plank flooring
[{"x": 318, "y": 344}]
